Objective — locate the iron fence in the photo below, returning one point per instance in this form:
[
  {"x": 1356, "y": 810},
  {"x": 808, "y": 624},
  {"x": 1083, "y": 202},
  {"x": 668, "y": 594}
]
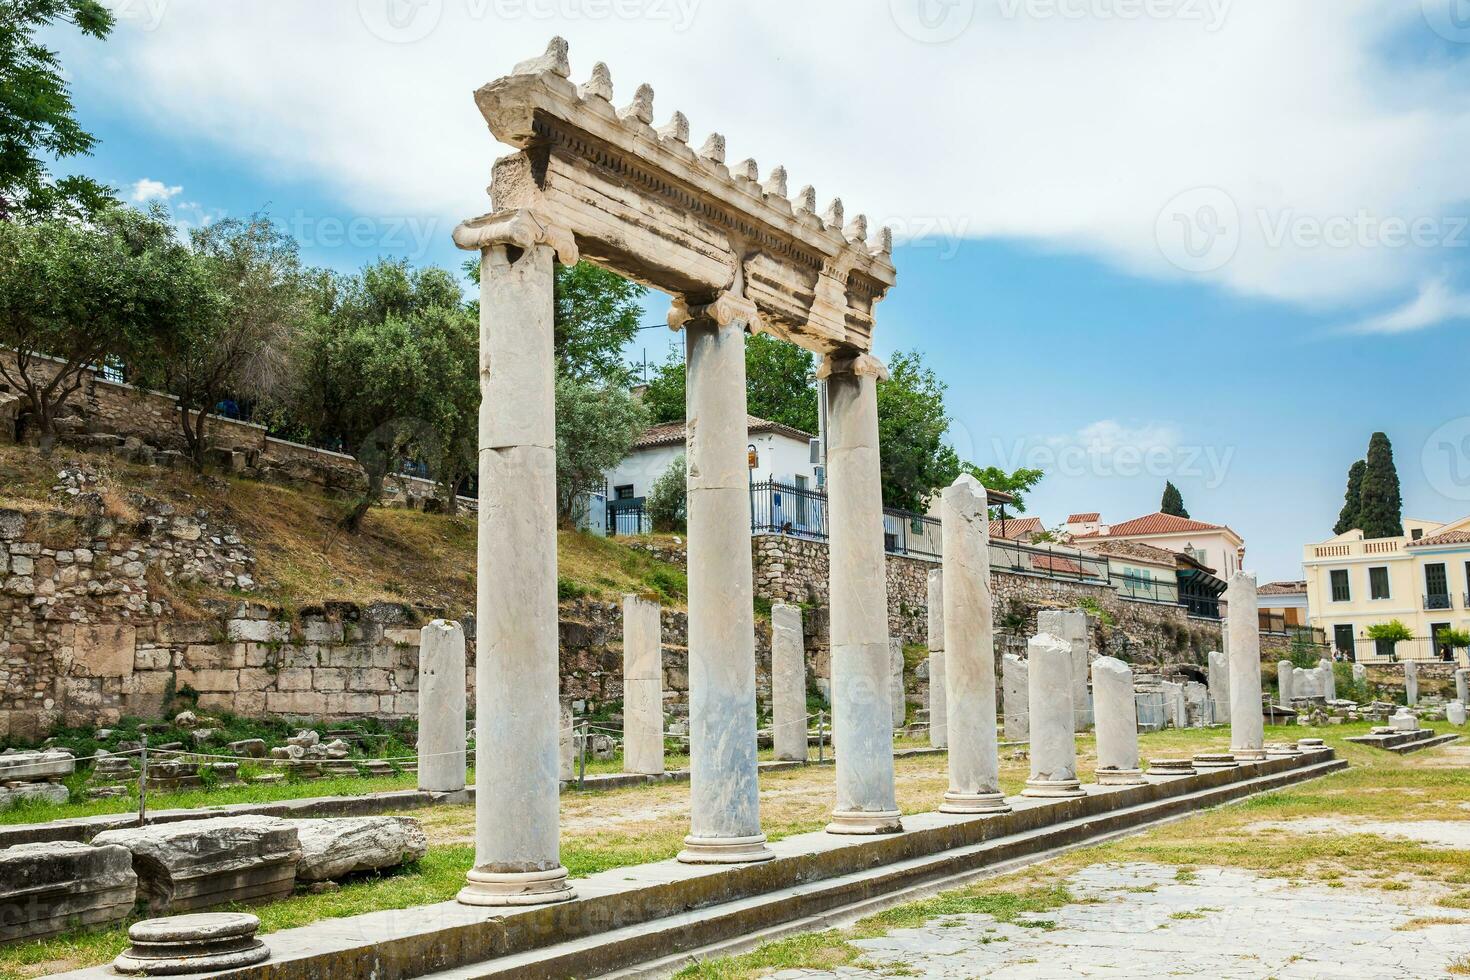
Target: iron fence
[
  {"x": 1420, "y": 649},
  {"x": 1060, "y": 563}
]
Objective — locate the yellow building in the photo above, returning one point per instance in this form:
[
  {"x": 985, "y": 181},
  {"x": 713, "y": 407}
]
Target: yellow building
[{"x": 1421, "y": 579}]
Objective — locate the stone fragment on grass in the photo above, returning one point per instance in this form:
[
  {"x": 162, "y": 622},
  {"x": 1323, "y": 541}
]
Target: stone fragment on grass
[
  {"x": 337, "y": 847},
  {"x": 52, "y": 887}
]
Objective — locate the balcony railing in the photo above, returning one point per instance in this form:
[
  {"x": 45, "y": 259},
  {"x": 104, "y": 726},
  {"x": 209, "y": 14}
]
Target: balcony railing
[
  {"x": 1350, "y": 549},
  {"x": 1420, "y": 649},
  {"x": 1439, "y": 601}
]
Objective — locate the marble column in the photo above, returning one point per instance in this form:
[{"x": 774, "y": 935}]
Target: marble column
[
  {"x": 969, "y": 629},
  {"x": 566, "y": 744},
  {"x": 897, "y": 696},
  {"x": 1411, "y": 682},
  {"x": 643, "y": 687},
  {"x": 1329, "y": 679},
  {"x": 1053, "y": 719},
  {"x": 441, "y": 708},
  {"x": 1247, "y": 723},
  {"x": 938, "y": 734},
  {"x": 788, "y": 684},
  {"x": 724, "y": 791},
  {"x": 1117, "y": 723},
  {"x": 1071, "y": 625},
  {"x": 1219, "y": 678},
  {"x": 1286, "y": 682},
  {"x": 1016, "y": 694},
  {"x": 862, "y": 712},
  {"x": 1462, "y": 686},
  {"x": 517, "y": 676}
]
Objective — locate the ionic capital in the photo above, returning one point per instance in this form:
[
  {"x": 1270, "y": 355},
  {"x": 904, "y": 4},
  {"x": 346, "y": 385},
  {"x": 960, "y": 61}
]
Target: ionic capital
[
  {"x": 522, "y": 228},
  {"x": 858, "y": 365},
  {"x": 725, "y": 310}
]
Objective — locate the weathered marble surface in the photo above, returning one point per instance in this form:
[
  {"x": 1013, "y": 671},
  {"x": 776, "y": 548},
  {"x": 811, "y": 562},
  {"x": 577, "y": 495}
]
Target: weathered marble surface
[
  {"x": 442, "y": 763},
  {"x": 1015, "y": 697},
  {"x": 788, "y": 684},
  {"x": 339, "y": 846},
  {"x": 51, "y": 887},
  {"x": 643, "y": 687},
  {"x": 1053, "y": 719},
  {"x": 1117, "y": 722},
  {"x": 1247, "y": 721},
  {"x": 1411, "y": 682},
  {"x": 1219, "y": 684}
]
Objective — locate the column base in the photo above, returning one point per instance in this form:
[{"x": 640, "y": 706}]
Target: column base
[
  {"x": 725, "y": 850},
  {"x": 1249, "y": 755},
  {"x": 1120, "y": 777},
  {"x": 1215, "y": 760},
  {"x": 494, "y": 888},
  {"x": 974, "y": 803},
  {"x": 1282, "y": 750},
  {"x": 1053, "y": 788},
  {"x": 865, "y": 822}
]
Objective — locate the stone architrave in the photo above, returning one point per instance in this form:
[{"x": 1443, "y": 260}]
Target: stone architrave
[
  {"x": 1329, "y": 679},
  {"x": 201, "y": 864},
  {"x": 441, "y": 749},
  {"x": 1286, "y": 682},
  {"x": 724, "y": 791},
  {"x": 1117, "y": 723},
  {"x": 969, "y": 630},
  {"x": 897, "y": 695},
  {"x": 643, "y": 687},
  {"x": 1053, "y": 719},
  {"x": 1016, "y": 697},
  {"x": 1411, "y": 682},
  {"x": 1071, "y": 625},
  {"x": 788, "y": 684},
  {"x": 1219, "y": 683},
  {"x": 339, "y": 846},
  {"x": 938, "y": 702},
  {"x": 517, "y": 675},
  {"x": 862, "y": 710},
  {"x": 1247, "y": 720},
  {"x": 49, "y": 888}
]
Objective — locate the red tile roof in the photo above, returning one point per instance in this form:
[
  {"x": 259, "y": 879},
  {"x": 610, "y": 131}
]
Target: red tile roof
[
  {"x": 1084, "y": 518},
  {"x": 1016, "y": 527},
  {"x": 1282, "y": 588},
  {"x": 1448, "y": 537},
  {"x": 672, "y": 433},
  {"x": 1155, "y": 524},
  {"x": 1135, "y": 550},
  {"x": 1056, "y": 563}
]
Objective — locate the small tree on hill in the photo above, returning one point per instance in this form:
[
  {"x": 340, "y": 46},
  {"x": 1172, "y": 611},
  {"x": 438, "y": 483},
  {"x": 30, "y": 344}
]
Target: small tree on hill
[
  {"x": 595, "y": 427},
  {"x": 1352, "y": 503},
  {"x": 1173, "y": 502},
  {"x": 668, "y": 498},
  {"x": 1382, "y": 512}
]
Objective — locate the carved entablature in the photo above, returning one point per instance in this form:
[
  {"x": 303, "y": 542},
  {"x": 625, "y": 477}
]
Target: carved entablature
[{"x": 645, "y": 204}]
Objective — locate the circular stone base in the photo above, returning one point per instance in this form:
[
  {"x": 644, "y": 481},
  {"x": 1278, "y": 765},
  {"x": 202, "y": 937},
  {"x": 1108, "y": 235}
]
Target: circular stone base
[
  {"x": 1310, "y": 745},
  {"x": 1171, "y": 767},
  {"x": 1249, "y": 755},
  {"x": 974, "y": 803},
  {"x": 495, "y": 889},
  {"x": 1053, "y": 789},
  {"x": 198, "y": 943},
  {"x": 1215, "y": 760},
  {"x": 1281, "y": 749},
  {"x": 725, "y": 850},
  {"x": 1120, "y": 777},
  {"x": 865, "y": 822}
]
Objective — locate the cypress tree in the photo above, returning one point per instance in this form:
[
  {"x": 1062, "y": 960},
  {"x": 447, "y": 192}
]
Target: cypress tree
[
  {"x": 1352, "y": 504},
  {"x": 1382, "y": 511},
  {"x": 1173, "y": 502}
]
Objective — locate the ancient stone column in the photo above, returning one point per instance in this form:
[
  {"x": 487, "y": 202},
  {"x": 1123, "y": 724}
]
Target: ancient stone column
[
  {"x": 1117, "y": 723},
  {"x": 1219, "y": 686},
  {"x": 862, "y": 712},
  {"x": 1286, "y": 682},
  {"x": 1462, "y": 686},
  {"x": 1071, "y": 625},
  {"x": 1247, "y": 723},
  {"x": 938, "y": 735},
  {"x": 643, "y": 687},
  {"x": 1329, "y": 679},
  {"x": 1411, "y": 682},
  {"x": 441, "y": 708},
  {"x": 897, "y": 695},
  {"x": 969, "y": 628},
  {"x": 517, "y": 675},
  {"x": 566, "y": 743},
  {"x": 1053, "y": 719},
  {"x": 725, "y": 826},
  {"x": 788, "y": 684},
  {"x": 1016, "y": 694}
]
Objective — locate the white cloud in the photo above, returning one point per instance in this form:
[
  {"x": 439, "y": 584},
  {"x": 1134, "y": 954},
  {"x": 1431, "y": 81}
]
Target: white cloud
[
  {"x": 1066, "y": 123},
  {"x": 1436, "y": 303},
  {"x": 148, "y": 189},
  {"x": 1110, "y": 435}
]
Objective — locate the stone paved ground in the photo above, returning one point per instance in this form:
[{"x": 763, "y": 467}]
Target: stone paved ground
[{"x": 1147, "y": 920}]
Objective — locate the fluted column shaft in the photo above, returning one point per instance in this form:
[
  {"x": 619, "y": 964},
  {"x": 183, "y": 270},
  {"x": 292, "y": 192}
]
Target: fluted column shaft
[{"x": 862, "y": 721}]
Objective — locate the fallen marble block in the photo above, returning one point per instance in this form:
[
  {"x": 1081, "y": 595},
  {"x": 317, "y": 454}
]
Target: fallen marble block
[
  {"x": 201, "y": 864},
  {"x": 36, "y": 766},
  {"x": 250, "y": 748},
  {"x": 51, "y": 887},
  {"x": 48, "y": 792},
  {"x": 336, "y": 847}
]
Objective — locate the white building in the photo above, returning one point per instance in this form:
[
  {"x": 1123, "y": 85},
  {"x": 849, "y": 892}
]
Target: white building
[{"x": 1214, "y": 546}]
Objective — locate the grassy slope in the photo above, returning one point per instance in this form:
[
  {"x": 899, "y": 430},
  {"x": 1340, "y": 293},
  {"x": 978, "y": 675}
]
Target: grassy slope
[{"x": 303, "y": 558}]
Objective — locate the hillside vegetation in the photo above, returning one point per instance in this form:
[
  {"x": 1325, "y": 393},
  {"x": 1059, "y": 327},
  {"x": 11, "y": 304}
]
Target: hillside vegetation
[{"x": 303, "y": 557}]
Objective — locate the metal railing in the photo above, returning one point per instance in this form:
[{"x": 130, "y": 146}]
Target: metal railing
[
  {"x": 1420, "y": 649},
  {"x": 801, "y": 512},
  {"x": 1439, "y": 601},
  {"x": 1147, "y": 590},
  {"x": 1067, "y": 564}
]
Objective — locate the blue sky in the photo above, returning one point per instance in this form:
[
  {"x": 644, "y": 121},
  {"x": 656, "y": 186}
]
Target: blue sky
[{"x": 1053, "y": 181}]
